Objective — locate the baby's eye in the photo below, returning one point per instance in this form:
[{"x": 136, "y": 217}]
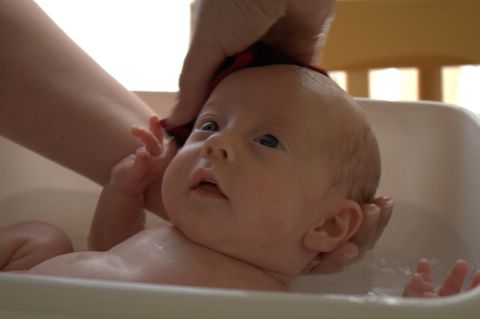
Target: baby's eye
[
  {"x": 209, "y": 126},
  {"x": 269, "y": 140}
]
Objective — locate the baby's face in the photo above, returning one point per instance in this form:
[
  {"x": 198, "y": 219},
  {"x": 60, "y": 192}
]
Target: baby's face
[{"x": 249, "y": 180}]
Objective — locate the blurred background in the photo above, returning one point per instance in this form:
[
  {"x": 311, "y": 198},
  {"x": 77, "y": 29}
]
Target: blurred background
[{"x": 142, "y": 44}]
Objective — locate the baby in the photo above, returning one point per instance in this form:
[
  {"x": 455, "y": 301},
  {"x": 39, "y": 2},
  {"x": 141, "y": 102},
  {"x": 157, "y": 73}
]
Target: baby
[{"x": 271, "y": 177}]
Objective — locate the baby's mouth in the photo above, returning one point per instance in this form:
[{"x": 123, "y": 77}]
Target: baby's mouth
[{"x": 208, "y": 187}]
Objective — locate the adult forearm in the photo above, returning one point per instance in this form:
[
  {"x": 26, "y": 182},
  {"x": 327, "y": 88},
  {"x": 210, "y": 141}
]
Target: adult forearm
[{"x": 55, "y": 100}]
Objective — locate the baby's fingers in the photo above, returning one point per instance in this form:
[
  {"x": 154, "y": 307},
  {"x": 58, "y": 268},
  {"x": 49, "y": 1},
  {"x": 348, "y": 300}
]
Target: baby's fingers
[
  {"x": 454, "y": 280},
  {"x": 149, "y": 140},
  {"x": 424, "y": 268},
  {"x": 141, "y": 164},
  {"x": 156, "y": 128},
  {"x": 418, "y": 287}
]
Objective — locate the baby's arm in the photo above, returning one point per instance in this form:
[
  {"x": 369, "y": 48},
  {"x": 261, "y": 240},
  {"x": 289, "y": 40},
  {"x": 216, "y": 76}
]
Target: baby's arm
[
  {"x": 421, "y": 285},
  {"x": 120, "y": 209},
  {"x": 26, "y": 244}
]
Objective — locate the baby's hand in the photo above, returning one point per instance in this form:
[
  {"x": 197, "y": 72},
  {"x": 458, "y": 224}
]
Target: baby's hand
[
  {"x": 134, "y": 173},
  {"x": 120, "y": 208},
  {"x": 421, "y": 285}
]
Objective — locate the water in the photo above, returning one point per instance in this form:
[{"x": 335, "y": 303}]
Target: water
[{"x": 412, "y": 234}]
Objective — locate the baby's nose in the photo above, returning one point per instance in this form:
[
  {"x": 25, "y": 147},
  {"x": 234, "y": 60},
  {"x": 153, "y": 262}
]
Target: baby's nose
[{"x": 219, "y": 148}]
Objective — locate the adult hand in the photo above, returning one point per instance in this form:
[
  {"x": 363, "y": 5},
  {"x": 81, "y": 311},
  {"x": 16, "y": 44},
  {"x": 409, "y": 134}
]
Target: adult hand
[
  {"x": 376, "y": 216},
  {"x": 226, "y": 27}
]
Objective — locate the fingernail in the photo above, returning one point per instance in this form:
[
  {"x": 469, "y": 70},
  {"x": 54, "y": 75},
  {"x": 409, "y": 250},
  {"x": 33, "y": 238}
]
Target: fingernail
[
  {"x": 388, "y": 202},
  {"x": 373, "y": 211},
  {"x": 350, "y": 252},
  {"x": 350, "y": 255}
]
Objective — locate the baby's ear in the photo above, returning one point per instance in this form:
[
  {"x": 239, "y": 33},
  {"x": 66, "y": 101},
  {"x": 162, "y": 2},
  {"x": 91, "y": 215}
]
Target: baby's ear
[{"x": 344, "y": 218}]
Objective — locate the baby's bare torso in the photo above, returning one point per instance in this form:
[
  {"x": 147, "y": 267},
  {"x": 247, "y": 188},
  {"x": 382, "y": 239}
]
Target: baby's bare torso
[{"x": 161, "y": 255}]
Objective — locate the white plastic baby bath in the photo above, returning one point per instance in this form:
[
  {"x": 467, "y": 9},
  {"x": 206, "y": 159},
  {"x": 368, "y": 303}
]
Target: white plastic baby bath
[{"x": 430, "y": 155}]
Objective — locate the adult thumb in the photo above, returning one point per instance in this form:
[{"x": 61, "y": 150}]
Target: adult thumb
[{"x": 198, "y": 70}]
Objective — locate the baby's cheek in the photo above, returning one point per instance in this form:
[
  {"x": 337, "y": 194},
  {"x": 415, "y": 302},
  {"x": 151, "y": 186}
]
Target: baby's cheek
[
  {"x": 271, "y": 203},
  {"x": 168, "y": 189},
  {"x": 175, "y": 186},
  {"x": 275, "y": 193}
]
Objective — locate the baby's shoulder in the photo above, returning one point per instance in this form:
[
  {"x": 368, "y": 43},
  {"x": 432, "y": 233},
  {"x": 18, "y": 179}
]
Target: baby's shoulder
[
  {"x": 165, "y": 255},
  {"x": 155, "y": 245}
]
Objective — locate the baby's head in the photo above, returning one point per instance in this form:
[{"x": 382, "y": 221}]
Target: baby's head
[{"x": 274, "y": 170}]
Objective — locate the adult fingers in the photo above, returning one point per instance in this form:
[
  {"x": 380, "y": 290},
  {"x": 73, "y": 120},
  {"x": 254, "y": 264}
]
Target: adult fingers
[
  {"x": 367, "y": 231},
  {"x": 336, "y": 260},
  {"x": 223, "y": 28},
  {"x": 197, "y": 73},
  {"x": 386, "y": 209},
  {"x": 301, "y": 33}
]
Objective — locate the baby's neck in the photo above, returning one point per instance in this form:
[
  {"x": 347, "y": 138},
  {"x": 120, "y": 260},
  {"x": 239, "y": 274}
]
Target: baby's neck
[
  {"x": 233, "y": 272},
  {"x": 283, "y": 279}
]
